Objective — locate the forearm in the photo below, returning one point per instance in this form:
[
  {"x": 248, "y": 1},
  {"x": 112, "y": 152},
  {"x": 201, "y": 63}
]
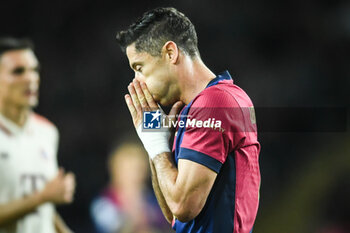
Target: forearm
[
  {"x": 186, "y": 187},
  {"x": 162, "y": 203},
  {"x": 14, "y": 210},
  {"x": 167, "y": 172}
]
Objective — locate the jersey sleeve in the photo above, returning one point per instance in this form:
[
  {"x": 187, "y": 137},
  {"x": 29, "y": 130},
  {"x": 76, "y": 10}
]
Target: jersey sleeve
[
  {"x": 218, "y": 131},
  {"x": 51, "y": 135}
]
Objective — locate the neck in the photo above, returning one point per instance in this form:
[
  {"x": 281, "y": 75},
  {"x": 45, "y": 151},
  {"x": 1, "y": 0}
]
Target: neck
[
  {"x": 195, "y": 79},
  {"x": 17, "y": 115}
]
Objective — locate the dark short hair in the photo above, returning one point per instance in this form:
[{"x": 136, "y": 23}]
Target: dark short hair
[
  {"x": 151, "y": 31},
  {"x": 11, "y": 43}
]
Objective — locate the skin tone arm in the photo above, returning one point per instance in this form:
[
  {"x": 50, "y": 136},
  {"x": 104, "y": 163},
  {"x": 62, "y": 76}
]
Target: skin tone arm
[
  {"x": 60, "y": 225},
  {"x": 60, "y": 190},
  {"x": 185, "y": 188},
  {"x": 162, "y": 203}
]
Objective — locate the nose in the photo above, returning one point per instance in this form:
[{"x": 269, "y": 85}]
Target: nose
[
  {"x": 32, "y": 76},
  {"x": 137, "y": 76}
]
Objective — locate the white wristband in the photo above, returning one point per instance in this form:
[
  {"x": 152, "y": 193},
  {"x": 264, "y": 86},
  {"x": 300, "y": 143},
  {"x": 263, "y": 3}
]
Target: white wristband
[{"x": 155, "y": 142}]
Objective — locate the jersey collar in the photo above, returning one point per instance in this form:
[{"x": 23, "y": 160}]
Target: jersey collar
[
  {"x": 222, "y": 76},
  {"x": 10, "y": 127}
]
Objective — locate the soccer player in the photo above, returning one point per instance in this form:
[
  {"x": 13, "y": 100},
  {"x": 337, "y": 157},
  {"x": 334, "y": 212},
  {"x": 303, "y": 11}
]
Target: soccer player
[
  {"x": 30, "y": 182},
  {"x": 127, "y": 205},
  {"x": 210, "y": 180}
]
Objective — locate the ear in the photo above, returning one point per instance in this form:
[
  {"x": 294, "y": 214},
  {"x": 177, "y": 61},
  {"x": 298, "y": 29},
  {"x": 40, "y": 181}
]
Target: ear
[{"x": 171, "y": 51}]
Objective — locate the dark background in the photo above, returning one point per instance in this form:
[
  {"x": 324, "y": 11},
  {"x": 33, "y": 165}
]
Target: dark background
[{"x": 286, "y": 54}]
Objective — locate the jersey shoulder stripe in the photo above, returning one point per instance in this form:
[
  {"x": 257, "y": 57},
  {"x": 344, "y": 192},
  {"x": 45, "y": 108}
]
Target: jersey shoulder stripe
[{"x": 5, "y": 130}]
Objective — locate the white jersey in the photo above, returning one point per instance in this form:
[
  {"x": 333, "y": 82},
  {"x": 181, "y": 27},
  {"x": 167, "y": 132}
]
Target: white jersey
[{"x": 27, "y": 161}]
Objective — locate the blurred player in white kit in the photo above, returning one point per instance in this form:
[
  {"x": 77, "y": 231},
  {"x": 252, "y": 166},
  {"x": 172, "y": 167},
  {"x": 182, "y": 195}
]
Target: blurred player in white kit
[{"x": 30, "y": 181}]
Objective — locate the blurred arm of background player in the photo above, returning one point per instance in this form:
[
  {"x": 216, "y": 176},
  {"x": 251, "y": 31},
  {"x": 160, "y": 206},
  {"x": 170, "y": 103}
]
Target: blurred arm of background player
[
  {"x": 60, "y": 190},
  {"x": 60, "y": 225}
]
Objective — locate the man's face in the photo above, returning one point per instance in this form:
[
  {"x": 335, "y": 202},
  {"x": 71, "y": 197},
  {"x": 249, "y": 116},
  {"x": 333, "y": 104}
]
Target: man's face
[
  {"x": 130, "y": 168},
  {"x": 156, "y": 72},
  {"x": 19, "y": 78}
]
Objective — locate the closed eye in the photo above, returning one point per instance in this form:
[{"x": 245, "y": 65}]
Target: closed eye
[
  {"x": 18, "y": 70},
  {"x": 21, "y": 70},
  {"x": 139, "y": 68}
]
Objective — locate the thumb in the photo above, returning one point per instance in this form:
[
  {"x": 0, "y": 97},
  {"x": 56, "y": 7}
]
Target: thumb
[
  {"x": 70, "y": 179},
  {"x": 175, "y": 109}
]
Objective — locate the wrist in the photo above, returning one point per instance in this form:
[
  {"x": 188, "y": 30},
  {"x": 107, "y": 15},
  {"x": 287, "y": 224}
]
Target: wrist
[
  {"x": 155, "y": 142},
  {"x": 41, "y": 197},
  {"x": 160, "y": 149}
]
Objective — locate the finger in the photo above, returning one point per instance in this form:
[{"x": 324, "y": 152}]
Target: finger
[
  {"x": 68, "y": 197},
  {"x": 60, "y": 172},
  {"x": 140, "y": 95},
  {"x": 131, "y": 106},
  {"x": 71, "y": 174},
  {"x": 134, "y": 98},
  {"x": 69, "y": 185},
  {"x": 175, "y": 109},
  {"x": 70, "y": 178},
  {"x": 149, "y": 97}
]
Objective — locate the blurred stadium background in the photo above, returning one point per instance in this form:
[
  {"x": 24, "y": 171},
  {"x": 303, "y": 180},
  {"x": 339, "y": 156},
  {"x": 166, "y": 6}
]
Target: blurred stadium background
[{"x": 289, "y": 53}]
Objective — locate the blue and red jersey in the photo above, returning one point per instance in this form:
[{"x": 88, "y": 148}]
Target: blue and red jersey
[{"x": 228, "y": 147}]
